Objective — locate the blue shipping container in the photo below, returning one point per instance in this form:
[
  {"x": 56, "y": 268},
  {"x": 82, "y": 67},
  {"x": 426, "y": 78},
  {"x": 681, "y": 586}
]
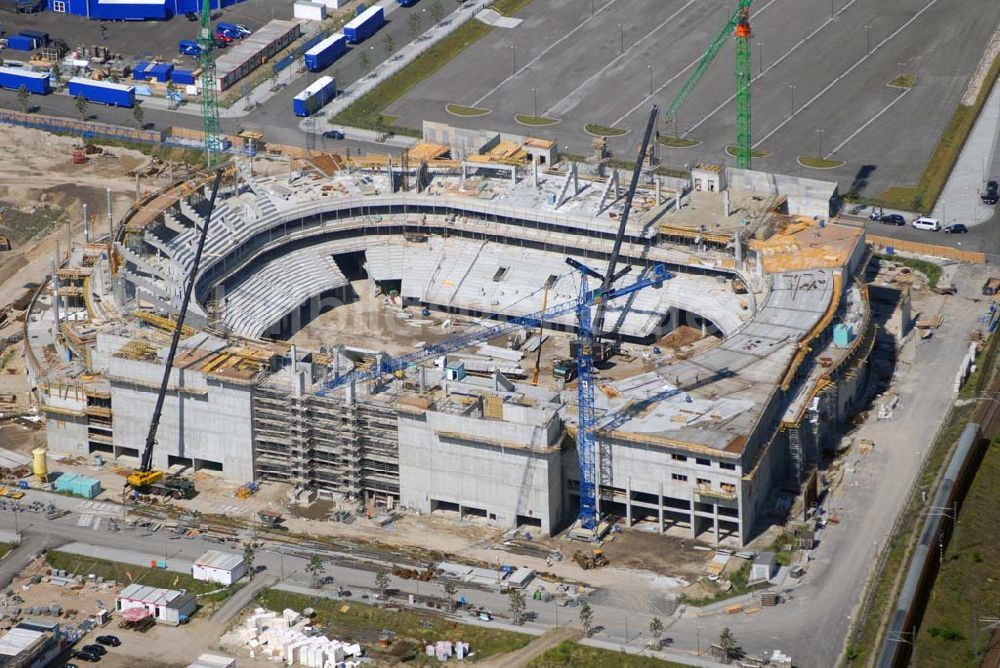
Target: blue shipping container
[
  {"x": 139, "y": 71},
  {"x": 323, "y": 54},
  {"x": 161, "y": 72},
  {"x": 364, "y": 25},
  {"x": 15, "y": 77},
  {"x": 21, "y": 43},
  {"x": 310, "y": 100},
  {"x": 102, "y": 92},
  {"x": 41, "y": 38},
  {"x": 183, "y": 77}
]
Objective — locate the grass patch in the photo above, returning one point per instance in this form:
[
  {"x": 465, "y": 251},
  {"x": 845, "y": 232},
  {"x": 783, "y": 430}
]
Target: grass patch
[
  {"x": 21, "y": 226},
  {"x": 738, "y": 587},
  {"x": 5, "y": 549},
  {"x": 929, "y": 269},
  {"x": 904, "y": 81},
  {"x": 363, "y": 622},
  {"x": 603, "y": 130},
  {"x": 924, "y": 195},
  {"x": 966, "y": 584},
  {"x": 534, "y": 121},
  {"x": 754, "y": 152},
  {"x": 461, "y": 110},
  {"x": 569, "y": 653},
  {"x": 364, "y": 112},
  {"x": 818, "y": 163},
  {"x": 677, "y": 142},
  {"x": 153, "y": 577}
]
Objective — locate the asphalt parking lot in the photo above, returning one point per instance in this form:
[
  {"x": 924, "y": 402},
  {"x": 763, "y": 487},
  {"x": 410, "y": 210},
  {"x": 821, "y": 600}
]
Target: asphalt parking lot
[{"x": 821, "y": 72}]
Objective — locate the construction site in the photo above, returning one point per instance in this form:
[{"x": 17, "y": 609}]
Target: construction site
[{"x": 406, "y": 333}]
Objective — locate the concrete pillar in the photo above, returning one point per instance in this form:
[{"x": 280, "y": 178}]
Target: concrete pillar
[
  {"x": 738, "y": 248},
  {"x": 350, "y": 394},
  {"x": 422, "y": 378},
  {"x": 388, "y": 171},
  {"x": 725, "y": 203},
  {"x": 715, "y": 508},
  {"x": 576, "y": 181},
  {"x": 137, "y": 196},
  {"x": 534, "y": 171},
  {"x": 293, "y": 370},
  {"x": 86, "y": 226},
  {"x": 658, "y": 200},
  {"x": 628, "y": 502},
  {"x": 513, "y": 175},
  {"x": 55, "y": 293},
  {"x": 694, "y": 518},
  {"x": 111, "y": 221},
  {"x": 659, "y": 505},
  {"x": 69, "y": 236}
]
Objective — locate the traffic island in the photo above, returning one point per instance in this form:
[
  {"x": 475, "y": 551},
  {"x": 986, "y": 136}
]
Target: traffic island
[
  {"x": 468, "y": 112},
  {"x": 535, "y": 121},
  {"x": 596, "y": 130},
  {"x": 818, "y": 163},
  {"x": 671, "y": 141}
]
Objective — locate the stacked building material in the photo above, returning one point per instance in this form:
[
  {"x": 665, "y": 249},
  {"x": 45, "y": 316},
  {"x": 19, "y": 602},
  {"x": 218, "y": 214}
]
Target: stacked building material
[{"x": 290, "y": 637}]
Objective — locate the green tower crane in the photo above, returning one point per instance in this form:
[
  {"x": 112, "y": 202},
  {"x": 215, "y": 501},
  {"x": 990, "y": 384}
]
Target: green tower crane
[
  {"x": 738, "y": 26},
  {"x": 209, "y": 92}
]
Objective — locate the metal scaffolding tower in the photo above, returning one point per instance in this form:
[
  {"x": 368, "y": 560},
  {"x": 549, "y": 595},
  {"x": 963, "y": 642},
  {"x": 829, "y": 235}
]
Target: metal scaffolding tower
[{"x": 209, "y": 92}]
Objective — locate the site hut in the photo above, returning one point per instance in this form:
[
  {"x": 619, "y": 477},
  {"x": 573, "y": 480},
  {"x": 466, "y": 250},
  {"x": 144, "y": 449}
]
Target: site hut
[
  {"x": 167, "y": 606},
  {"x": 219, "y": 567},
  {"x": 764, "y": 567},
  {"x": 33, "y": 642},
  {"x": 208, "y": 660}
]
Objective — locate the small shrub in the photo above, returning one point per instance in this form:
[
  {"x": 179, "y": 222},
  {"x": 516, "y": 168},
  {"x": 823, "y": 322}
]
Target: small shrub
[{"x": 944, "y": 633}]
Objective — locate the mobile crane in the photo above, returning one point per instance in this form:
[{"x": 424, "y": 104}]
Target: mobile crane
[{"x": 146, "y": 479}]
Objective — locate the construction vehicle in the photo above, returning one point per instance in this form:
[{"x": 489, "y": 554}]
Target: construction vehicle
[
  {"x": 595, "y": 559},
  {"x": 147, "y": 480}
]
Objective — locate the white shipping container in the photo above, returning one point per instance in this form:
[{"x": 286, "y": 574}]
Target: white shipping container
[{"x": 310, "y": 11}]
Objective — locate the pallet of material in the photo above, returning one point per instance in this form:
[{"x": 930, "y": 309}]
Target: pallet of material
[{"x": 931, "y": 322}]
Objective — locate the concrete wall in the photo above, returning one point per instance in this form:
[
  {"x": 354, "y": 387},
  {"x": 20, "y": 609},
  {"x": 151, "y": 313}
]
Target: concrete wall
[
  {"x": 503, "y": 481},
  {"x": 203, "y": 418},
  {"x": 67, "y": 434}
]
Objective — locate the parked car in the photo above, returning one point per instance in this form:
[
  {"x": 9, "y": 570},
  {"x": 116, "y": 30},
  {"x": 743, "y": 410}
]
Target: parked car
[
  {"x": 84, "y": 655},
  {"x": 188, "y": 47},
  {"x": 956, "y": 228},
  {"x": 224, "y": 36},
  {"x": 892, "y": 219},
  {"x": 99, "y": 650},
  {"x": 333, "y": 134},
  {"x": 110, "y": 641},
  {"x": 191, "y": 16},
  {"x": 925, "y": 223},
  {"x": 220, "y": 43},
  {"x": 992, "y": 193}
]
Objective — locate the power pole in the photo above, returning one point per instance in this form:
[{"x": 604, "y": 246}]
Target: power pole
[{"x": 209, "y": 92}]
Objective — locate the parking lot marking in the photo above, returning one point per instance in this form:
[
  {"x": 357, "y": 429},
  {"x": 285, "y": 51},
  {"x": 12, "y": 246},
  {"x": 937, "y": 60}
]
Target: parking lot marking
[
  {"x": 545, "y": 51},
  {"x": 868, "y": 122},
  {"x": 846, "y": 72},
  {"x": 645, "y": 100},
  {"x": 566, "y": 103},
  {"x": 774, "y": 64}
]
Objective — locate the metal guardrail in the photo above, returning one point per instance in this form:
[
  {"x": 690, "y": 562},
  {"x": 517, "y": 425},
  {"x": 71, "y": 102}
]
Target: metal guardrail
[{"x": 917, "y": 248}]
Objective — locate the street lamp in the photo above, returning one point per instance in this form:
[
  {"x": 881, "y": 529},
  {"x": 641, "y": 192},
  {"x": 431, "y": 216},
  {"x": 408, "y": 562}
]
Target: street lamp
[
  {"x": 650, "y": 68},
  {"x": 820, "y": 131},
  {"x": 534, "y": 97},
  {"x": 868, "y": 38},
  {"x": 621, "y": 39},
  {"x": 513, "y": 60},
  {"x": 791, "y": 88},
  {"x": 760, "y": 58}
]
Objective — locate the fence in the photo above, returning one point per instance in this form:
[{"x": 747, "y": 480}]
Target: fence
[
  {"x": 86, "y": 129},
  {"x": 917, "y": 248},
  {"x": 280, "y": 65}
]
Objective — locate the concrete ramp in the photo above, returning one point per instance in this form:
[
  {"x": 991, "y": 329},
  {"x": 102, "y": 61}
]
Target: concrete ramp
[{"x": 495, "y": 19}]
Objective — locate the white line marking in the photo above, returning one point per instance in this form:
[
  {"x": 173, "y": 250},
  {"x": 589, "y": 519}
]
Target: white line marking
[
  {"x": 566, "y": 103},
  {"x": 777, "y": 62},
  {"x": 846, "y": 72},
  {"x": 550, "y": 47},
  {"x": 868, "y": 122}
]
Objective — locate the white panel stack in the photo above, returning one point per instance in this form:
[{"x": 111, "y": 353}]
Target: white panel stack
[
  {"x": 287, "y": 639},
  {"x": 311, "y": 11}
]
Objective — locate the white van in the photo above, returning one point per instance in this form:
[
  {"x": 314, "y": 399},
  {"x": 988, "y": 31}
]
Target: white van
[{"x": 925, "y": 223}]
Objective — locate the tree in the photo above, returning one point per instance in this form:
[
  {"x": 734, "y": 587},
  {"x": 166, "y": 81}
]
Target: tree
[
  {"x": 450, "y": 589},
  {"x": 382, "y": 583},
  {"x": 656, "y": 631},
  {"x": 413, "y": 23},
  {"x": 365, "y": 62},
  {"x": 248, "y": 555},
  {"x": 727, "y": 642},
  {"x": 586, "y": 618},
  {"x": 315, "y": 568},
  {"x": 56, "y": 72},
  {"x": 23, "y": 98},
  {"x": 379, "y": 127},
  {"x": 81, "y": 106},
  {"x": 138, "y": 114},
  {"x": 390, "y": 44},
  {"x": 517, "y": 606},
  {"x": 171, "y": 93},
  {"x": 274, "y": 76},
  {"x": 436, "y": 10}
]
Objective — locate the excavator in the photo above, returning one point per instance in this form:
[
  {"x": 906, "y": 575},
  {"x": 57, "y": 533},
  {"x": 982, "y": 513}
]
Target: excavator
[{"x": 146, "y": 480}]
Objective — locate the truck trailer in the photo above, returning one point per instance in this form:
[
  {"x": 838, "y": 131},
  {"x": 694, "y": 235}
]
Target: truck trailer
[
  {"x": 323, "y": 54},
  {"x": 13, "y": 78},
  {"x": 364, "y": 25},
  {"x": 102, "y": 92},
  {"x": 310, "y": 100}
]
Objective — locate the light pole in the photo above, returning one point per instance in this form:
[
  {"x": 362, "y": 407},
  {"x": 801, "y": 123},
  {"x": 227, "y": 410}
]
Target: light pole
[
  {"x": 650, "y": 68},
  {"x": 534, "y": 97},
  {"x": 513, "y": 60},
  {"x": 621, "y": 39},
  {"x": 791, "y": 88},
  {"x": 760, "y": 58},
  {"x": 820, "y": 131},
  {"x": 593, "y": 7},
  {"x": 699, "y": 641},
  {"x": 833, "y": 12},
  {"x": 868, "y": 38}
]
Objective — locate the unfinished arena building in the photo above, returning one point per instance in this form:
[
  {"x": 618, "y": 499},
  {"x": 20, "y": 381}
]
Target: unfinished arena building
[{"x": 729, "y": 380}]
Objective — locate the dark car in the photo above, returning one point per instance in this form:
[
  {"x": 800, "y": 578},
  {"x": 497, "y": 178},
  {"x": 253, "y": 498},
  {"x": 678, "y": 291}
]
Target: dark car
[
  {"x": 84, "y": 655},
  {"x": 223, "y": 36},
  {"x": 110, "y": 641},
  {"x": 892, "y": 219},
  {"x": 191, "y": 16},
  {"x": 992, "y": 192},
  {"x": 99, "y": 650},
  {"x": 220, "y": 43},
  {"x": 333, "y": 134},
  {"x": 956, "y": 228}
]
